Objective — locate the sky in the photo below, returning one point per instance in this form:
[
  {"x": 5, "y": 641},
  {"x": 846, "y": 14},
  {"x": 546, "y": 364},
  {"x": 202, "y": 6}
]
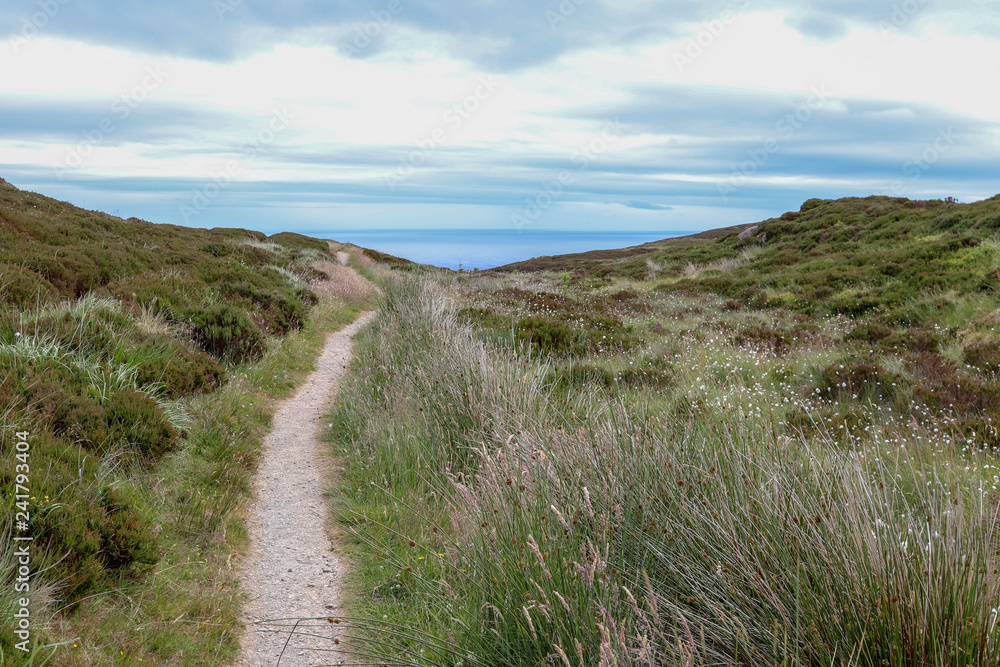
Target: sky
[{"x": 665, "y": 115}]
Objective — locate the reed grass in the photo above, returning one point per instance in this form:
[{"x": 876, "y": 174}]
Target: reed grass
[{"x": 500, "y": 519}]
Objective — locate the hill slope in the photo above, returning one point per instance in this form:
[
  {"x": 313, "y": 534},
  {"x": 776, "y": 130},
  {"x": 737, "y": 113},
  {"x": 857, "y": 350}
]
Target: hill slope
[
  {"x": 715, "y": 450},
  {"x": 847, "y": 255},
  {"x": 140, "y": 360}
]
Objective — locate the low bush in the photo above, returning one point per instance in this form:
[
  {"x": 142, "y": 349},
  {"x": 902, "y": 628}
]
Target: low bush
[
  {"x": 136, "y": 420},
  {"x": 86, "y": 533},
  {"x": 549, "y": 335},
  {"x": 869, "y": 332},
  {"x": 983, "y": 352},
  {"x": 859, "y": 380},
  {"x": 23, "y": 288},
  {"x": 227, "y": 332},
  {"x": 167, "y": 294},
  {"x": 168, "y": 363},
  {"x": 298, "y": 242},
  {"x": 764, "y": 338}
]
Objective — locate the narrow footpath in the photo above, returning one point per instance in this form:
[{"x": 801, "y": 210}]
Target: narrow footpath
[{"x": 293, "y": 570}]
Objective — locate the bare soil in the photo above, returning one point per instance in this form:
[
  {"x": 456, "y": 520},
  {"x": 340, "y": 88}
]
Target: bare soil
[{"x": 294, "y": 569}]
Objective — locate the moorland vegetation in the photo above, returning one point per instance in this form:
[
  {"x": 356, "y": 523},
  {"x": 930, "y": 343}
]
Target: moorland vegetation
[
  {"x": 769, "y": 444},
  {"x": 143, "y": 360}
]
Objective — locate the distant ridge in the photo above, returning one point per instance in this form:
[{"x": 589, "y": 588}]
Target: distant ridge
[
  {"x": 554, "y": 262},
  {"x": 847, "y": 254}
]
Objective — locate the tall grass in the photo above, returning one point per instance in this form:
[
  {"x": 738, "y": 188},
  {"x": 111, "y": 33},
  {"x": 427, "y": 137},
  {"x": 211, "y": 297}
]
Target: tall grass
[{"x": 517, "y": 524}]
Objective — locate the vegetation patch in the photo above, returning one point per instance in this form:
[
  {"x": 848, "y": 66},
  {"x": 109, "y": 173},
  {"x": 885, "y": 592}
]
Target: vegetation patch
[
  {"x": 774, "y": 449},
  {"x": 143, "y": 360}
]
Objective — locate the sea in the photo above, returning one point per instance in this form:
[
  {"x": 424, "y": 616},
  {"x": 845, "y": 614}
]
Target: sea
[{"x": 487, "y": 248}]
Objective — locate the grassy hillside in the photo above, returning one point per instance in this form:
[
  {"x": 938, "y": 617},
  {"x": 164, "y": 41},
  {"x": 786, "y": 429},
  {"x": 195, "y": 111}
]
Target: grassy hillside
[
  {"x": 779, "y": 449},
  {"x": 142, "y": 360},
  {"x": 837, "y": 255}
]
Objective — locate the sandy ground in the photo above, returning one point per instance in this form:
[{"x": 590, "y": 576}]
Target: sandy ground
[{"x": 293, "y": 570}]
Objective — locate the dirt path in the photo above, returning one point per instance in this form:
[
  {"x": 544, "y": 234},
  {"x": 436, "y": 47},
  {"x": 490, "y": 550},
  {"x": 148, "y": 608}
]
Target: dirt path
[{"x": 293, "y": 571}]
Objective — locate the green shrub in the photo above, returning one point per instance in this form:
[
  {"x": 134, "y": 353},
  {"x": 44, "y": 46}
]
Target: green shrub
[
  {"x": 298, "y": 242},
  {"x": 217, "y": 249},
  {"x": 167, "y": 362},
  {"x": 983, "y": 352},
  {"x": 84, "y": 533},
  {"x": 23, "y": 288},
  {"x": 943, "y": 387},
  {"x": 227, "y": 332},
  {"x": 916, "y": 340},
  {"x": 136, "y": 419},
  {"x": 548, "y": 335},
  {"x": 764, "y": 338},
  {"x": 78, "y": 418},
  {"x": 85, "y": 326},
  {"x": 167, "y": 294},
  {"x": 755, "y": 297},
  {"x": 853, "y": 380},
  {"x": 126, "y": 536},
  {"x": 871, "y": 332},
  {"x": 279, "y": 307},
  {"x": 853, "y": 305}
]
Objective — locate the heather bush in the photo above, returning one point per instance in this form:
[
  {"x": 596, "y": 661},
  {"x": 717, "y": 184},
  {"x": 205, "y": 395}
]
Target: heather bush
[
  {"x": 983, "y": 352},
  {"x": 85, "y": 531},
  {"x": 227, "y": 332},
  {"x": 136, "y": 419},
  {"x": 22, "y": 288},
  {"x": 175, "y": 366}
]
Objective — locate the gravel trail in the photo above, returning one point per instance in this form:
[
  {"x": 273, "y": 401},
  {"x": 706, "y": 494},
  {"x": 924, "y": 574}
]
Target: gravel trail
[{"x": 293, "y": 569}]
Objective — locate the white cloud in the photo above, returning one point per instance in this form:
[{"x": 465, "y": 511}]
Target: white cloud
[{"x": 460, "y": 132}]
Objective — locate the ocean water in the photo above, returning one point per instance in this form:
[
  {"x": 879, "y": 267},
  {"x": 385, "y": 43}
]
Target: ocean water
[{"x": 487, "y": 248}]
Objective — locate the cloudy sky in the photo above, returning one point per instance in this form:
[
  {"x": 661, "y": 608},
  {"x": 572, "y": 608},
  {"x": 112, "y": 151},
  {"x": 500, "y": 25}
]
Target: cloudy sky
[{"x": 544, "y": 114}]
